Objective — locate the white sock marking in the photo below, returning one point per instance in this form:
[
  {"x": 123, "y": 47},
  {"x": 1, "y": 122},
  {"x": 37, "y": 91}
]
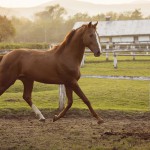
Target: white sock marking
[
  {"x": 37, "y": 112},
  {"x": 99, "y": 45}
]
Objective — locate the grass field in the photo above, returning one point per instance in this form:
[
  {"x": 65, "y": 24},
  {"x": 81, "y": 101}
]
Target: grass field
[
  {"x": 103, "y": 93},
  {"x": 126, "y": 66}
]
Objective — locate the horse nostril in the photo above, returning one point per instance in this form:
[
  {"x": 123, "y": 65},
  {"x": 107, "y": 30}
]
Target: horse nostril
[{"x": 97, "y": 53}]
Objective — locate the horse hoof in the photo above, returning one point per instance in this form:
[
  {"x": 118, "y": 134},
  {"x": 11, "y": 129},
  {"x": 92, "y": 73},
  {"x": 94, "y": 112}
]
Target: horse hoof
[
  {"x": 55, "y": 118},
  {"x": 100, "y": 121},
  {"x": 42, "y": 119}
]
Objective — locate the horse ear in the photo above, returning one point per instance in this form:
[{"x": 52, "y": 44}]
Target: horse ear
[
  {"x": 90, "y": 24},
  {"x": 95, "y": 24}
]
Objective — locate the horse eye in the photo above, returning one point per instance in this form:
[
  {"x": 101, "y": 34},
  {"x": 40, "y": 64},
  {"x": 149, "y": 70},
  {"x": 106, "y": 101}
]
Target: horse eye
[{"x": 91, "y": 35}]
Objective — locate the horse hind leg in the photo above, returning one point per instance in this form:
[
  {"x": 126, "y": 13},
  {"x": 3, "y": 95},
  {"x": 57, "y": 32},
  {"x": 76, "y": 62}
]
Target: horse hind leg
[
  {"x": 69, "y": 104},
  {"x": 28, "y": 87},
  {"x": 79, "y": 92}
]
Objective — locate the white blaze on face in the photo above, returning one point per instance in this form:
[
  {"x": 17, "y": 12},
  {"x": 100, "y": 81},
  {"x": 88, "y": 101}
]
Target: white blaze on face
[
  {"x": 37, "y": 112},
  {"x": 97, "y": 38}
]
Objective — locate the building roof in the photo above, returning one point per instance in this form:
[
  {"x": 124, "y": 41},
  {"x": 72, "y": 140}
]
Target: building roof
[{"x": 118, "y": 28}]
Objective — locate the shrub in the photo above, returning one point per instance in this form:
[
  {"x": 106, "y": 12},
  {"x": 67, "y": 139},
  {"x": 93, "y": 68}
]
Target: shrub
[{"x": 6, "y": 46}]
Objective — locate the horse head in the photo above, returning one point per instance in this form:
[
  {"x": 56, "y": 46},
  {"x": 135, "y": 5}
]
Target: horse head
[{"x": 91, "y": 40}]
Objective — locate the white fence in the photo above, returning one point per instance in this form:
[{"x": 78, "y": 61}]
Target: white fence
[
  {"x": 123, "y": 49},
  {"x": 132, "y": 53}
]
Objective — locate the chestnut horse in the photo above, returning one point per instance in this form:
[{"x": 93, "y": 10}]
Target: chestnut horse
[{"x": 60, "y": 65}]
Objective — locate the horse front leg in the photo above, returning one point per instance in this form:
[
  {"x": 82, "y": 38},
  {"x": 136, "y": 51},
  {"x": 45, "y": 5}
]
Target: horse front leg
[
  {"x": 28, "y": 87},
  {"x": 69, "y": 103},
  {"x": 79, "y": 92}
]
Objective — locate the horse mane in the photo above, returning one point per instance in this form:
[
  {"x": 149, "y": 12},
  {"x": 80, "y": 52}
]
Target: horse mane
[{"x": 66, "y": 40}]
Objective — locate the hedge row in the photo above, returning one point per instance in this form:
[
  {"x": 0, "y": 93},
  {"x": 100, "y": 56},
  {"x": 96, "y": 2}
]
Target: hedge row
[{"x": 7, "y": 46}]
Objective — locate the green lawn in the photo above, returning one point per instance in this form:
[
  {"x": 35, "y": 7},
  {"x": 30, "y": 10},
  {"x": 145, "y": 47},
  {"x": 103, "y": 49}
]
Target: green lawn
[
  {"x": 126, "y": 66},
  {"x": 103, "y": 93}
]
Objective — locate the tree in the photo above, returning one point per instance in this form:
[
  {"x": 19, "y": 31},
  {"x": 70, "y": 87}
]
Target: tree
[
  {"x": 50, "y": 22},
  {"x": 23, "y": 28},
  {"x": 73, "y": 19},
  {"x": 136, "y": 14},
  {"x": 7, "y": 30},
  {"x": 148, "y": 17},
  {"x": 55, "y": 12},
  {"x": 99, "y": 17},
  {"x": 125, "y": 15}
]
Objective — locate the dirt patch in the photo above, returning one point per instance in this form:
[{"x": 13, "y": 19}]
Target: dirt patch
[{"x": 77, "y": 131}]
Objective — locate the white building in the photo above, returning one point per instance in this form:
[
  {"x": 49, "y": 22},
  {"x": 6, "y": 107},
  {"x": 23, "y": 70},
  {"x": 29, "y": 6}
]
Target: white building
[{"x": 126, "y": 31}]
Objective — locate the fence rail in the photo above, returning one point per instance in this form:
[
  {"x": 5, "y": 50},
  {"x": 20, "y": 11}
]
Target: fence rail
[{"x": 132, "y": 53}]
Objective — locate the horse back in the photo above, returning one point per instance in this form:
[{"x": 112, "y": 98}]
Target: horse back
[{"x": 41, "y": 66}]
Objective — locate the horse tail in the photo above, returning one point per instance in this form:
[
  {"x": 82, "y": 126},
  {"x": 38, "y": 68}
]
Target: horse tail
[{"x": 1, "y": 57}]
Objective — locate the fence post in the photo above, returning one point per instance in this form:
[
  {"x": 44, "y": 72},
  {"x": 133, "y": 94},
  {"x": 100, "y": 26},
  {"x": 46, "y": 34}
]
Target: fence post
[
  {"x": 50, "y": 46},
  {"x": 62, "y": 95},
  {"x": 83, "y": 61},
  {"x": 132, "y": 53},
  {"x": 116, "y": 46},
  {"x": 115, "y": 61},
  {"x": 107, "y": 55},
  {"x": 147, "y": 47}
]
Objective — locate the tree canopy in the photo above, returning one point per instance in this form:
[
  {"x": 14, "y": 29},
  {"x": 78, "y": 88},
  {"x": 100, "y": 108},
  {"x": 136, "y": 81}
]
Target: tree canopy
[
  {"x": 7, "y": 30},
  {"x": 51, "y": 24}
]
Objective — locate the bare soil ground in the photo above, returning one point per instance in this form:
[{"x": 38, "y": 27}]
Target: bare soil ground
[{"x": 77, "y": 131}]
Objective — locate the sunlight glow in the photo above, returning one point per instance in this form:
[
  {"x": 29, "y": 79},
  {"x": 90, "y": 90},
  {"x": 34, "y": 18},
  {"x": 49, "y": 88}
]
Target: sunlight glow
[
  {"x": 32, "y": 3},
  {"x": 108, "y": 1}
]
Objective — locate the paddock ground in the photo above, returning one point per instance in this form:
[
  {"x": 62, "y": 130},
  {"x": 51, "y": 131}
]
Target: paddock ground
[{"x": 77, "y": 131}]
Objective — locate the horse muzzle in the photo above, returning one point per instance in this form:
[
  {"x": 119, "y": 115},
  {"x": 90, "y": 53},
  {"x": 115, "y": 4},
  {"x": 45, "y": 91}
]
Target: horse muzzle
[{"x": 97, "y": 53}]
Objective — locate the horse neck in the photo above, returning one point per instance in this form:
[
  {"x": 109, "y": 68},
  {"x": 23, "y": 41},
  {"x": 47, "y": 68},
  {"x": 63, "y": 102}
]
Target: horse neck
[{"x": 75, "y": 49}]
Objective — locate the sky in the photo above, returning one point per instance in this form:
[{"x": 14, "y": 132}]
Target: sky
[{"x": 31, "y": 3}]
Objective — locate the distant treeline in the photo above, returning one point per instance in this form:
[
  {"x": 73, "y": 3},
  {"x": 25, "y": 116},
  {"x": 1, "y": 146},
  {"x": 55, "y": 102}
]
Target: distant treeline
[{"x": 50, "y": 25}]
